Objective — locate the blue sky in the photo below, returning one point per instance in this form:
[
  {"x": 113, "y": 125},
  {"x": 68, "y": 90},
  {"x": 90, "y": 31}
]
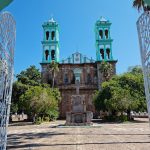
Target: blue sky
[{"x": 76, "y": 20}]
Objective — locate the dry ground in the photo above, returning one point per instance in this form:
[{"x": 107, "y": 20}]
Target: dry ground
[{"x": 101, "y": 136}]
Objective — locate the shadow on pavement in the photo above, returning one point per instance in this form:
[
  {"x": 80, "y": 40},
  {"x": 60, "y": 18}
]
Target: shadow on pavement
[{"x": 71, "y": 144}]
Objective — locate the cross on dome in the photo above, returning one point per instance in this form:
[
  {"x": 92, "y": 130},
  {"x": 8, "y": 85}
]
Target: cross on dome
[
  {"x": 102, "y": 19},
  {"x": 52, "y": 20}
]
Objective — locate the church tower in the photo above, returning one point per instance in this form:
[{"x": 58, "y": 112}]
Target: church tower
[
  {"x": 103, "y": 40},
  {"x": 50, "y": 42}
]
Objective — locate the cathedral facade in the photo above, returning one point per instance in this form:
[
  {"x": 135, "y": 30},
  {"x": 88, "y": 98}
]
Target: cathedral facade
[{"x": 77, "y": 67}]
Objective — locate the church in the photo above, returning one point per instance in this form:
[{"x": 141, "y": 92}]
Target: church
[{"x": 77, "y": 67}]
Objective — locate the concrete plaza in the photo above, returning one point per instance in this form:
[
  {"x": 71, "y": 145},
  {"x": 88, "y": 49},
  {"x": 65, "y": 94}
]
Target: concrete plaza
[{"x": 101, "y": 136}]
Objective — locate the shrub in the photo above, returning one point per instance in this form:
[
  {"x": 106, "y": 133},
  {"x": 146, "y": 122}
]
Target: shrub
[
  {"x": 53, "y": 115},
  {"x": 110, "y": 118},
  {"x": 121, "y": 118},
  {"x": 38, "y": 120},
  {"x": 46, "y": 119}
]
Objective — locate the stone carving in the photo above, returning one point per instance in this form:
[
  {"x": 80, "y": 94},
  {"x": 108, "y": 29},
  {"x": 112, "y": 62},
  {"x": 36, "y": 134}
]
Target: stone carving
[
  {"x": 78, "y": 103},
  {"x": 78, "y": 114}
]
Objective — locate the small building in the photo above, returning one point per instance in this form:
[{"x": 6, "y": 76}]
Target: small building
[{"x": 77, "y": 66}]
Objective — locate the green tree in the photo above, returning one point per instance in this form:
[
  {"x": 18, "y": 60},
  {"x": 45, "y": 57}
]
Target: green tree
[
  {"x": 106, "y": 69},
  {"x": 110, "y": 99},
  {"x": 56, "y": 94},
  {"x": 27, "y": 78},
  {"x": 100, "y": 97},
  {"x": 31, "y": 76},
  {"x": 122, "y": 93},
  {"x": 118, "y": 102},
  {"x": 34, "y": 98},
  {"x": 40, "y": 101},
  {"x": 14, "y": 108},
  {"x": 53, "y": 67},
  {"x": 140, "y": 5},
  {"x": 31, "y": 100},
  {"x": 18, "y": 90},
  {"x": 135, "y": 83},
  {"x": 135, "y": 70},
  {"x": 4, "y": 3}
]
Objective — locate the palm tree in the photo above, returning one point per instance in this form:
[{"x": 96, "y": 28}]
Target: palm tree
[
  {"x": 140, "y": 4},
  {"x": 53, "y": 67},
  {"x": 106, "y": 69},
  {"x": 4, "y": 3}
]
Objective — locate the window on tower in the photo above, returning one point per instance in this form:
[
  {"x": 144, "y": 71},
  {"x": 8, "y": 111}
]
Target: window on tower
[
  {"x": 89, "y": 78},
  {"x": 53, "y": 35},
  {"x": 101, "y": 34},
  {"x": 106, "y": 34},
  {"x": 53, "y": 54},
  {"x": 66, "y": 79},
  {"x": 108, "y": 53},
  {"x": 72, "y": 77},
  {"x": 102, "y": 53},
  {"x": 47, "y": 35},
  {"x": 46, "y": 54}
]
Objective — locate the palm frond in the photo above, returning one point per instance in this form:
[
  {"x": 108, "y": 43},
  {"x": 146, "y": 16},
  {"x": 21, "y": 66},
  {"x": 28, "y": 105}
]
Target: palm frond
[{"x": 138, "y": 4}]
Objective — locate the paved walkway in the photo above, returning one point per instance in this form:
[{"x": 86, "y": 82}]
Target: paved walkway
[{"x": 127, "y": 136}]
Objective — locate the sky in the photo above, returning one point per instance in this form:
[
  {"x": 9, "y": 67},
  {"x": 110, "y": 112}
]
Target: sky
[{"x": 76, "y": 19}]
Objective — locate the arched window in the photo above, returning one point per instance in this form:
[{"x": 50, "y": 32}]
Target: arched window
[
  {"x": 102, "y": 53},
  {"x": 46, "y": 54},
  {"x": 106, "y": 34},
  {"x": 47, "y": 35},
  {"x": 101, "y": 34},
  {"x": 73, "y": 79},
  {"x": 88, "y": 78},
  {"x": 108, "y": 53},
  {"x": 53, "y": 54},
  {"x": 66, "y": 79},
  {"x": 95, "y": 79},
  {"x": 53, "y": 35}
]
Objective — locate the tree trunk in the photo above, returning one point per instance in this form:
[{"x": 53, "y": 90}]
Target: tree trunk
[
  {"x": 114, "y": 112},
  {"x": 53, "y": 80},
  {"x": 129, "y": 114},
  {"x": 34, "y": 116}
]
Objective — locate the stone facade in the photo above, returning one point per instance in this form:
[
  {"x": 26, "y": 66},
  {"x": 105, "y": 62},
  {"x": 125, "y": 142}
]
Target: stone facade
[
  {"x": 77, "y": 67},
  {"x": 90, "y": 79},
  {"x": 78, "y": 114}
]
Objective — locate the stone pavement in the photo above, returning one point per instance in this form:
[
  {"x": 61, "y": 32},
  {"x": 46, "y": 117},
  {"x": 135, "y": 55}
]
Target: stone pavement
[{"x": 50, "y": 136}]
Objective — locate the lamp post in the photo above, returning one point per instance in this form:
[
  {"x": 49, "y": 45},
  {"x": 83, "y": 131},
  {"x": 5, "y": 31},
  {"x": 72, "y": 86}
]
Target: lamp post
[{"x": 143, "y": 27}]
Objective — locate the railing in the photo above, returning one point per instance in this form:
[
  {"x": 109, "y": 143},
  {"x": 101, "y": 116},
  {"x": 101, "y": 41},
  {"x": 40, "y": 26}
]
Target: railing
[
  {"x": 82, "y": 86},
  {"x": 7, "y": 44},
  {"x": 143, "y": 27}
]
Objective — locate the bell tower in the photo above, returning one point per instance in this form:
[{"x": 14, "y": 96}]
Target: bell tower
[
  {"x": 103, "y": 40},
  {"x": 50, "y": 42}
]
